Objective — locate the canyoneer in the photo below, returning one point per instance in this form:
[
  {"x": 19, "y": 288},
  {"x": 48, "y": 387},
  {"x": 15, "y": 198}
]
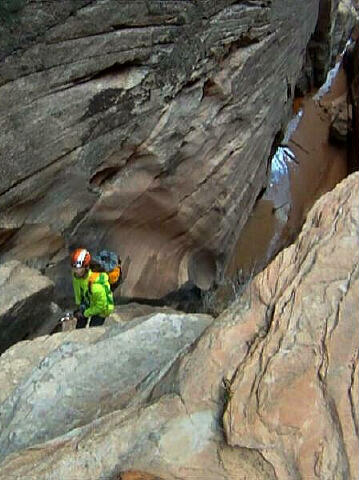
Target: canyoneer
[
  {"x": 93, "y": 295},
  {"x": 80, "y": 263}
]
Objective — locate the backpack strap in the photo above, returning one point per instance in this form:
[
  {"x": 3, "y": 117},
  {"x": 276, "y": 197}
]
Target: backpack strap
[{"x": 102, "y": 279}]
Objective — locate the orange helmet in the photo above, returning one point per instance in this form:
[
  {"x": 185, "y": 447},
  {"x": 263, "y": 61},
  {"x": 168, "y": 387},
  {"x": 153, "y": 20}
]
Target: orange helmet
[{"x": 80, "y": 258}]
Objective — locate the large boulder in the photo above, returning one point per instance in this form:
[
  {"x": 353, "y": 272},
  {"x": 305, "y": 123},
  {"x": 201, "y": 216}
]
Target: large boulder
[
  {"x": 340, "y": 125},
  {"x": 75, "y": 384},
  {"x": 281, "y": 363},
  {"x": 25, "y": 302},
  {"x": 18, "y": 361},
  {"x": 346, "y": 20},
  {"x": 142, "y": 126}
]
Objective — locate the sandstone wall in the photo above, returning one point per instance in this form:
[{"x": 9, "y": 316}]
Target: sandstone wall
[
  {"x": 336, "y": 21},
  {"x": 353, "y": 97},
  {"x": 141, "y": 126}
]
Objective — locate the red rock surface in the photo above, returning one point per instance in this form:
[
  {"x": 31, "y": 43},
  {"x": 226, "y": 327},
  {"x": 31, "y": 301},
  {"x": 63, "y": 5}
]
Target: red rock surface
[{"x": 294, "y": 395}]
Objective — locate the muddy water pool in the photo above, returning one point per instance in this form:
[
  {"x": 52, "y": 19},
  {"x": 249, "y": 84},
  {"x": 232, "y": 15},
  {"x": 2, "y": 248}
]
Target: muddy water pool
[{"x": 303, "y": 169}]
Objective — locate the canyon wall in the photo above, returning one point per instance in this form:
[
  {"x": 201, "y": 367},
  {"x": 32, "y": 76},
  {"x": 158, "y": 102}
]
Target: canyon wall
[
  {"x": 144, "y": 127},
  {"x": 267, "y": 391},
  {"x": 336, "y": 20}
]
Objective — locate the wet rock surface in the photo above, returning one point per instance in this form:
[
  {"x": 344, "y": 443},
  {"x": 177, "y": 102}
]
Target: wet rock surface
[
  {"x": 144, "y": 127},
  {"x": 281, "y": 364},
  {"x": 312, "y": 159}
]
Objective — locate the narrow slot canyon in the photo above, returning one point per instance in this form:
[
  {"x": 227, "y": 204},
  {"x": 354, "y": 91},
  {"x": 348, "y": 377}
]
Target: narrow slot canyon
[
  {"x": 305, "y": 166},
  {"x": 179, "y": 240}
]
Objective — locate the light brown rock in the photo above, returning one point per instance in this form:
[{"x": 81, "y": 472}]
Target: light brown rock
[
  {"x": 161, "y": 440},
  {"x": 281, "y": 362},
  {"x": 136, "y": 476},
  {"x": 293, "y": 393}
]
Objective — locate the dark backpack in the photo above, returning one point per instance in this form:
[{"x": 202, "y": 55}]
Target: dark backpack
[{"x": 109, "y": 262}]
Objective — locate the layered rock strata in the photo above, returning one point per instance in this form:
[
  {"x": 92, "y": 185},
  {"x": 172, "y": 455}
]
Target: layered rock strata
[
  {"x": 294, "y": 394},
  {"x": 142, "y": 126}
]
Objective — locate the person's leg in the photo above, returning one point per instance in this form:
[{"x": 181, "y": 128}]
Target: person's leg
[
  {"x": 81, "y": 322},
  {"x": 96, "y": 321}
]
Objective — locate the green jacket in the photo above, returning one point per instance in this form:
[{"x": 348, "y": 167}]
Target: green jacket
[
  {"x": 80, "y": 286},
  {"x": 100, "y": 296}
]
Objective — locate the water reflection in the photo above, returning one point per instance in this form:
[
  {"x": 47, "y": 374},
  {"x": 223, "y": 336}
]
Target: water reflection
[
  {"x": 292, "y": 126},
  {"x": 331, "y": 74},
  {"x": 278, "y": 189},
  {"x": 260, "y": 237},
  {"x": 279, "y": 165},
  {"x": 279, "y": 174},
  {"x": 296, "y": 179},
  {"x": 328, "y": 82}
]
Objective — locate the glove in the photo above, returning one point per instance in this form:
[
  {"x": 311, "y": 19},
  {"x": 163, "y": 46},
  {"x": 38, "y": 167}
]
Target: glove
[
  {"x": 80, "y": 310},
  {"x": 79, "y": 315},
  {"x": 81, "y": 319}
]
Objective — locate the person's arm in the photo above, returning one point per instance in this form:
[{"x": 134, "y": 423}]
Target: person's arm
[
  {"x": 77, "y": 290},
  {"x": 98, "y": 301}
]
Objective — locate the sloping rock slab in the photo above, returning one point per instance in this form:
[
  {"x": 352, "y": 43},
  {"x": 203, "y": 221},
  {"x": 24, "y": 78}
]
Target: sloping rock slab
[
  {"x": 24, "y": 302},
  {"x": 76, "y": 384},
  {"x": 161, "y": 440},
  {"x": 19, "y": 360},
  {"x": 294, "y": 396}
]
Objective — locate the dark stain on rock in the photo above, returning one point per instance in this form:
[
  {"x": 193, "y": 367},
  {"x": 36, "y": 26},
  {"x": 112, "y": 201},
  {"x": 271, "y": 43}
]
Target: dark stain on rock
[
  {"x": 104, "y": 100},
  {"x": 188, "y": 51},
  {"x": 117, "y": 69},
  {"x": 105, "y": 118},
  {"x": 6, "y": 235}
]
